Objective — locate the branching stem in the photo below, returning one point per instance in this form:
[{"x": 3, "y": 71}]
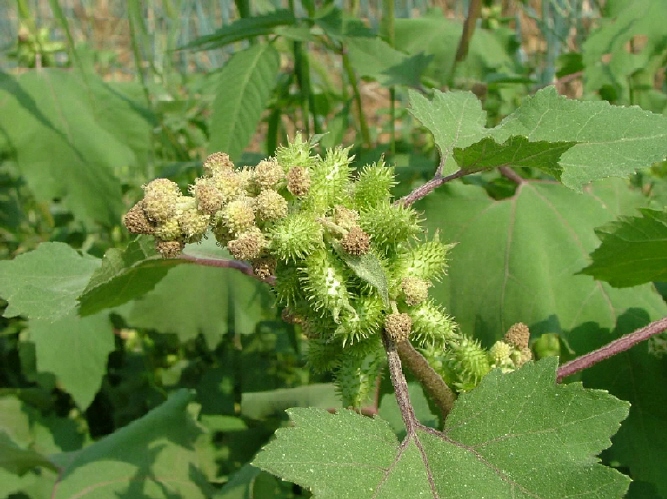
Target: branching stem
[
  {"x": 615, "y": 347},
  {"x": 400, "y": 384},
  {"x": 431, "y": 381}
]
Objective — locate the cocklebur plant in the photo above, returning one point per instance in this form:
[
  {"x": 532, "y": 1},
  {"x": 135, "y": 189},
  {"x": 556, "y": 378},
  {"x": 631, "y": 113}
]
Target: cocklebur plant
[{"x": 347, "y": 263}]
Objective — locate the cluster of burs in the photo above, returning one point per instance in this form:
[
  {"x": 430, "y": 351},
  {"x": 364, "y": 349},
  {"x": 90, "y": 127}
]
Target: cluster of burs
[{"x": 345, "y": 262}]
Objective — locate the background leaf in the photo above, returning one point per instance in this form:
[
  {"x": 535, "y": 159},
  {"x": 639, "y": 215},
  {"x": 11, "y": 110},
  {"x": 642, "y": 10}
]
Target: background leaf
[
  {"x": 244, "y": 90},
  {"x": 243, "y": 29},
  {"x": 45, "y": 283},
  {"x": 638, "y": 375},
  {"x": 193, "y": 300},
  {"x": 611, "y": 58},
  {"x": 633, "y": 250},
  {"x": 516, "y": 258},
  {"x": 492, "y": 446},
  {"x": 152, "y": 457},
  {"x": 68, "y": 134},
  {"x": 375, "y": 58},
  {"x": 85, "y": 342}
]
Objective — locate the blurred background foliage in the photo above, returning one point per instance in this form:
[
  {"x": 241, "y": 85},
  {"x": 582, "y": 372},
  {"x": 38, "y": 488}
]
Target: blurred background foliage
[{"x": 98, "y": 97}]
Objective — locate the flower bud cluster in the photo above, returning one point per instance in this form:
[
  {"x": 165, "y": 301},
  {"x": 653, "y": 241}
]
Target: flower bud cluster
[{"x": 348, "y": 263}]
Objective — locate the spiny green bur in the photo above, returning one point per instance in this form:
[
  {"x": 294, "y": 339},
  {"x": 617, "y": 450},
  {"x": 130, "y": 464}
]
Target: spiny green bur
[{"x": 346, "y": 260}]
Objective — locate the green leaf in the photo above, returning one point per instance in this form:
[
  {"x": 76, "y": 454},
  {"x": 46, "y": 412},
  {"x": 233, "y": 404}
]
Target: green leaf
[
  {"x": 124, "y": 276},
  {"x": 515, "y": 151},
  {"x": 193, "y": 300},
  {"x": 262, "y": 405},
  {"x": 375, "y": 58},
  {"x": 243, "y": 29},
  {"x": 607, "y": 60},
  {"x": 517, "y": 435},
  {"x": 75, "y": 349},
  {"x": 516, "y": 259},
  {"x": 339, "y": 25},
  {"x": 368, "y": 268},
  {"x": 17, "y": 460},
  {"x": 455, "y": 119},
  {"x": 604, "y": 141},
  {"x": 244, "y": 88},
  {"x": 152, "y": 457},
  {"x": 68, "y": 134},
  {"x": 633, "y": 250},
  {"x": 44, "y": 283},
  {"x": 612, "y": 141}
]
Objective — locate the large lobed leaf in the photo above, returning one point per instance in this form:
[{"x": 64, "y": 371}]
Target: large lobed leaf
[
  {"x": 516, "y": 258},
  {"x": 244, "y": 88},
  {"x": 633, "y": 250},
  {"x": 44, "y": 284},
  {"x": 124, "y": 275},
  {"x": 606, "y": 141},
  {"x": 517, "y": 435},
  {"x": 68, "y": 134}
]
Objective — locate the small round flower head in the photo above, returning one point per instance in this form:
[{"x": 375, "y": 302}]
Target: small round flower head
[
  {"x": 356, "y": 242},
  {"x": 248, "y": 245},
  {"x": 209, "y": 198},
  {"x": 217, "y": 162},
  {"x": 500, "y": 353},
  {"x": 264, "y": 267},
  {"x": 522, "y": 356},
  {"x": 245, "y": 176},
  {"x": 270, "y": 206},
  {"x": 228, "y": 183},
  {"x": 136, "y": 221},
  {"x": 346, "y": 218},
  {"x": 160, "y": 198},
  {"x": 415, "y": 290},
  {"x": 298, "y": 181},
  {"x": 518, "y": 335},
  {"x": 398, "y": 326},
  {"x": 193, "y": 224},
  {"x": 169, "y": 249},
  {"x": 267, "y": 174},
  {"x": 238, "y": 216},
  {"x": 169, "y": 230}
]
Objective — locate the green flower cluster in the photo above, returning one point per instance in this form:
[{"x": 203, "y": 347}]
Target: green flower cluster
[{"x": 347, "y": 262}]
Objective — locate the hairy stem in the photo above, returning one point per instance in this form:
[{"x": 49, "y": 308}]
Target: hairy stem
[
  {"x": 243, "y": 267},
  {"x": 400, "y": 384},
  {"x": 615, "y": 347},
  {"x": 428, "y": 187},
  {"x": 431, "y": 381}
]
